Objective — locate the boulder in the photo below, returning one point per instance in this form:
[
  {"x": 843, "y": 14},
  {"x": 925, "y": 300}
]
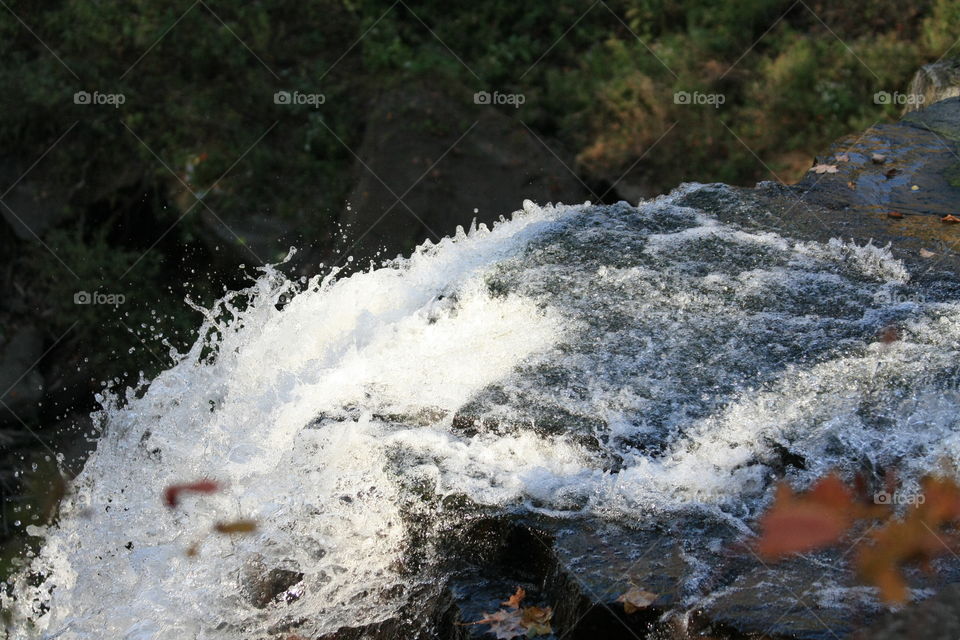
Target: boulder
[
  {"x": 449, "y": 161},
  {"x": 906, "y": 174},
  {"x": 933, "y": 82}
]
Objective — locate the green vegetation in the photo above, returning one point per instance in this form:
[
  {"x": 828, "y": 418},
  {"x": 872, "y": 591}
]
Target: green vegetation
[{"x": 199, "y": 117}]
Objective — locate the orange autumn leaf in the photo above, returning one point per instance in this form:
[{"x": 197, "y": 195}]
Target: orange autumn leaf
[
  {"x": 918, "y": 537},
  {"x": 813, "y": 520},
  {"x": 515, "y": 600},
  {"x": 951, "y": 219},
  {"x": 894, "y": 214},
  {"x": 820, "y": 517},
  {"x": 516, "y": 621}
]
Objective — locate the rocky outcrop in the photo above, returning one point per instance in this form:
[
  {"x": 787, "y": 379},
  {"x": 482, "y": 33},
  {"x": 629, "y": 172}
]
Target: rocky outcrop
[
  {"x": 706, "y": 576},
  {"x": 933, "y": 82},
  {"x": 910, "y": 167}
]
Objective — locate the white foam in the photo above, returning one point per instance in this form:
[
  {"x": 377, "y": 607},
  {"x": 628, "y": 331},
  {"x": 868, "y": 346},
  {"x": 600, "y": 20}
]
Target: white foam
[{"x": 614, "y": 361}]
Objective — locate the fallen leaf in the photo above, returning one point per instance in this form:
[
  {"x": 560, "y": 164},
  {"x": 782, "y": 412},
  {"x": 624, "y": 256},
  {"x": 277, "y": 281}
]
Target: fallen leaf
[
  {"x": 914, "y": 188},
  {"x": 237, "y": 526},
  {"x": 926, "y": 254},
  {"x": 888, "y": 334},
  {"x": 918, "y": 537},
  {"x": 950, "y": 219},
  {"x": 878, "y": 158},
  {"x": 813, "y": 519},
  {"x": 824, "y": 168},
  {"x": 799, "y": 523},
  {"x": 842, "y": 157},
  {"x": 515, "y": 600},
  {"x": 537, "y": 621},
  {"x": 171, "y": 495},
  {"x": 528, "y": 621},
  {"x": 636, "y": 598},
  {"x": 504, "y": 624},
  {"x": 852, "y": 185},
  {"x": 889, "y": 173},
  {"x": 894, "y": 214}
]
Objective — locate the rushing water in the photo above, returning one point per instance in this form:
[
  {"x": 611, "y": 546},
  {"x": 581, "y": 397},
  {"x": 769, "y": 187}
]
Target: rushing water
[{"x": 610, "y": 362}]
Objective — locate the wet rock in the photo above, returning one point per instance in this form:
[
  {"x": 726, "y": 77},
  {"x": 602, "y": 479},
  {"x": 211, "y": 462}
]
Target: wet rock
[
  {"x": 434, "y": 616},
  {"x": 937, "y": 618},
  {"x": 920, "y": 174},
  {"x": 805, "y": 597},
  {"x": 263, "y": 586},
  {"x": 421, "y": 141},
  {"x": 933, "y": 82}
]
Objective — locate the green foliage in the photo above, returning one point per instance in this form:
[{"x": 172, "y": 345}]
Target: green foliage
[{"x": 942, "y": 27}]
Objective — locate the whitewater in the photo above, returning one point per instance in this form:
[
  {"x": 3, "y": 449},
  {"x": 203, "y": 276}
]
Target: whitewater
[{"x": 612, "y": 362}]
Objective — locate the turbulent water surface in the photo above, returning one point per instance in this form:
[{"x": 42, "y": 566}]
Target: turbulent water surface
[{"x": 604, "y": 362}]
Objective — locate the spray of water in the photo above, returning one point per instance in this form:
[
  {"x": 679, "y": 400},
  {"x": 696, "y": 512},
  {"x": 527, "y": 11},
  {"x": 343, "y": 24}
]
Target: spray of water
[{"x": 607, "y": 362}]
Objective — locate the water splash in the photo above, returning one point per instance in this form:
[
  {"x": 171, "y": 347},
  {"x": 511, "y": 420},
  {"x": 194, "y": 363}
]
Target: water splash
[{"x": 613, "y": 362}]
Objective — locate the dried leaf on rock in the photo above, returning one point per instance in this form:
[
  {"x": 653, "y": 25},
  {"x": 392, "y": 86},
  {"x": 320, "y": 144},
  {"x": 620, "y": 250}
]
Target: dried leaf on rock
[{"x": 636, "y": 598}]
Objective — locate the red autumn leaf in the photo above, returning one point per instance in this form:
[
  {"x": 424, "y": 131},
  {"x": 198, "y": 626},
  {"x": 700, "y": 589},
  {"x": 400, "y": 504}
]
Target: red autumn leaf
[{"x": 171, "y": 495}]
